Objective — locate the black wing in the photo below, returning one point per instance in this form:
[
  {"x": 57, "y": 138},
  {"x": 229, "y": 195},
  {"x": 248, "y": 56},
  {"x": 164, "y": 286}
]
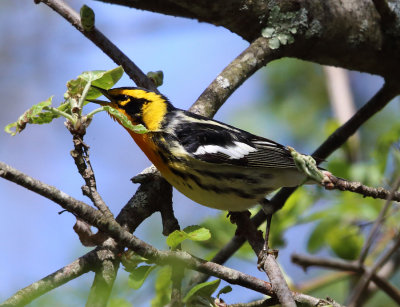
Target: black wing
[{"x": 215, "y": 142}]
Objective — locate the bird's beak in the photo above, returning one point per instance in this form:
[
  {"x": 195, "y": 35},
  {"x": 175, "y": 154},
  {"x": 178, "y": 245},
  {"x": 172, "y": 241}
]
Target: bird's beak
[{"x": 105, "y": 94}]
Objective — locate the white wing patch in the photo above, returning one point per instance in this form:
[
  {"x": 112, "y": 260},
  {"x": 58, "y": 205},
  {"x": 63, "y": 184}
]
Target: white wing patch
[
  {"x": 265, "y": 143},
  {"x": 236, "y": 151}
]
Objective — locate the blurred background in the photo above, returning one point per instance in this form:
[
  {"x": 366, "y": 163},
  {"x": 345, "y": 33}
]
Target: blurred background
[{"x": 289, "y": 102}]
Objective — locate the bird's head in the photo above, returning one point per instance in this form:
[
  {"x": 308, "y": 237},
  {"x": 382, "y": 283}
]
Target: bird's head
[{"x": 139, "y": 105}]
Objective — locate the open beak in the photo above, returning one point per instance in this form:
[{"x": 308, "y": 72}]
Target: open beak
[{"x": 105, "y": 94}]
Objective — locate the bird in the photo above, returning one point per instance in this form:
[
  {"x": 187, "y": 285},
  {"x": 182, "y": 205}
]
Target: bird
[{"x": 214, "y": 164}]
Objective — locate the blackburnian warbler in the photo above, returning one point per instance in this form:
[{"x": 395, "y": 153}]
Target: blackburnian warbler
[{"x": 212, "y": 163}]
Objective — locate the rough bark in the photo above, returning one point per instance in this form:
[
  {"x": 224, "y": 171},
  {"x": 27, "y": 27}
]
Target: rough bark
[{"x": 355, "y": 34}]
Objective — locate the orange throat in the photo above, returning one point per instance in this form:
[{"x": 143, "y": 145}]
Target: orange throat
[{"x": 146, "y": 144}]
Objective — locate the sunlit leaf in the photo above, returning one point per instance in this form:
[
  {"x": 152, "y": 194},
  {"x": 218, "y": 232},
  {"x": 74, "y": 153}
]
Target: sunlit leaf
[
  {"x": 35, "y": 115},
  {"x": 197, "y": 233},
  {"x": 101, "y": 78},
  {"x": 139, "y": 275},
  {"x": 194, "y": 233}
]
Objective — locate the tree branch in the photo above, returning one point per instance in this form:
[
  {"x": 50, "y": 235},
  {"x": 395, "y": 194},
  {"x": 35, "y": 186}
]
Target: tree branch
[
  {"x": 80, "y": 154},
  {"x": 355, "y": 296},
  {"x": 378, "y": 222},
  {"x": 358, "y": 187},
  {"x": 319, "y": 29},
  {"x": 342, "y": 265}
]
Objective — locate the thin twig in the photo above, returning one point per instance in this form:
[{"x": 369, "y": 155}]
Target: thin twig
[
  {"x": 80, "y": 154},
  {"x": 358, "y": 187},
  {"x": 343, "y": 265},
  {"x": 107, "y": 270},
  {"x": 355, "y": 296},
  {"x": 101, "y": 41},
  {"x": 378, "y": 222}
]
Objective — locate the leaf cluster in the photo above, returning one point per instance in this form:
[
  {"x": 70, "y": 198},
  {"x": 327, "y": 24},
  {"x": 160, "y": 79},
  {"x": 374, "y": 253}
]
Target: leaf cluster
[{"x": 78, "y": 92}]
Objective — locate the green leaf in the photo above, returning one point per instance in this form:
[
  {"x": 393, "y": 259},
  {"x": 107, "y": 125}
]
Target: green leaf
[
  {"x": 197, "y": 233},
  {"x": 224, "y": 290},
  {"x": 346, "y": 242},
  {"x": 139, "y": 275},
  {"x": 35, "y": 115},
  {"x": 124, "y": 120},
  {"x": 43, "y": 113},
  {"x": 194, "y": 233},
  {"x": 205, "y": 289},
  {"x": 175, "y": 238},
  {"x": 87, "y": 18},
  {"x": 101, "y": 78}
]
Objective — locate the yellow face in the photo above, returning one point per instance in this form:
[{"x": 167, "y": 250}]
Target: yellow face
[{"x": 141, "y": 106}]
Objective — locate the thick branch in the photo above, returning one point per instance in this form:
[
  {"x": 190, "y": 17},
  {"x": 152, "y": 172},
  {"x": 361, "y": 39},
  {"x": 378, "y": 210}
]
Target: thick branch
[{"x": 333, "y": 33}]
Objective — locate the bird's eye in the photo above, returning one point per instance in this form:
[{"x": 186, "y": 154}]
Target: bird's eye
[{"x": 123, "y": 100}]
